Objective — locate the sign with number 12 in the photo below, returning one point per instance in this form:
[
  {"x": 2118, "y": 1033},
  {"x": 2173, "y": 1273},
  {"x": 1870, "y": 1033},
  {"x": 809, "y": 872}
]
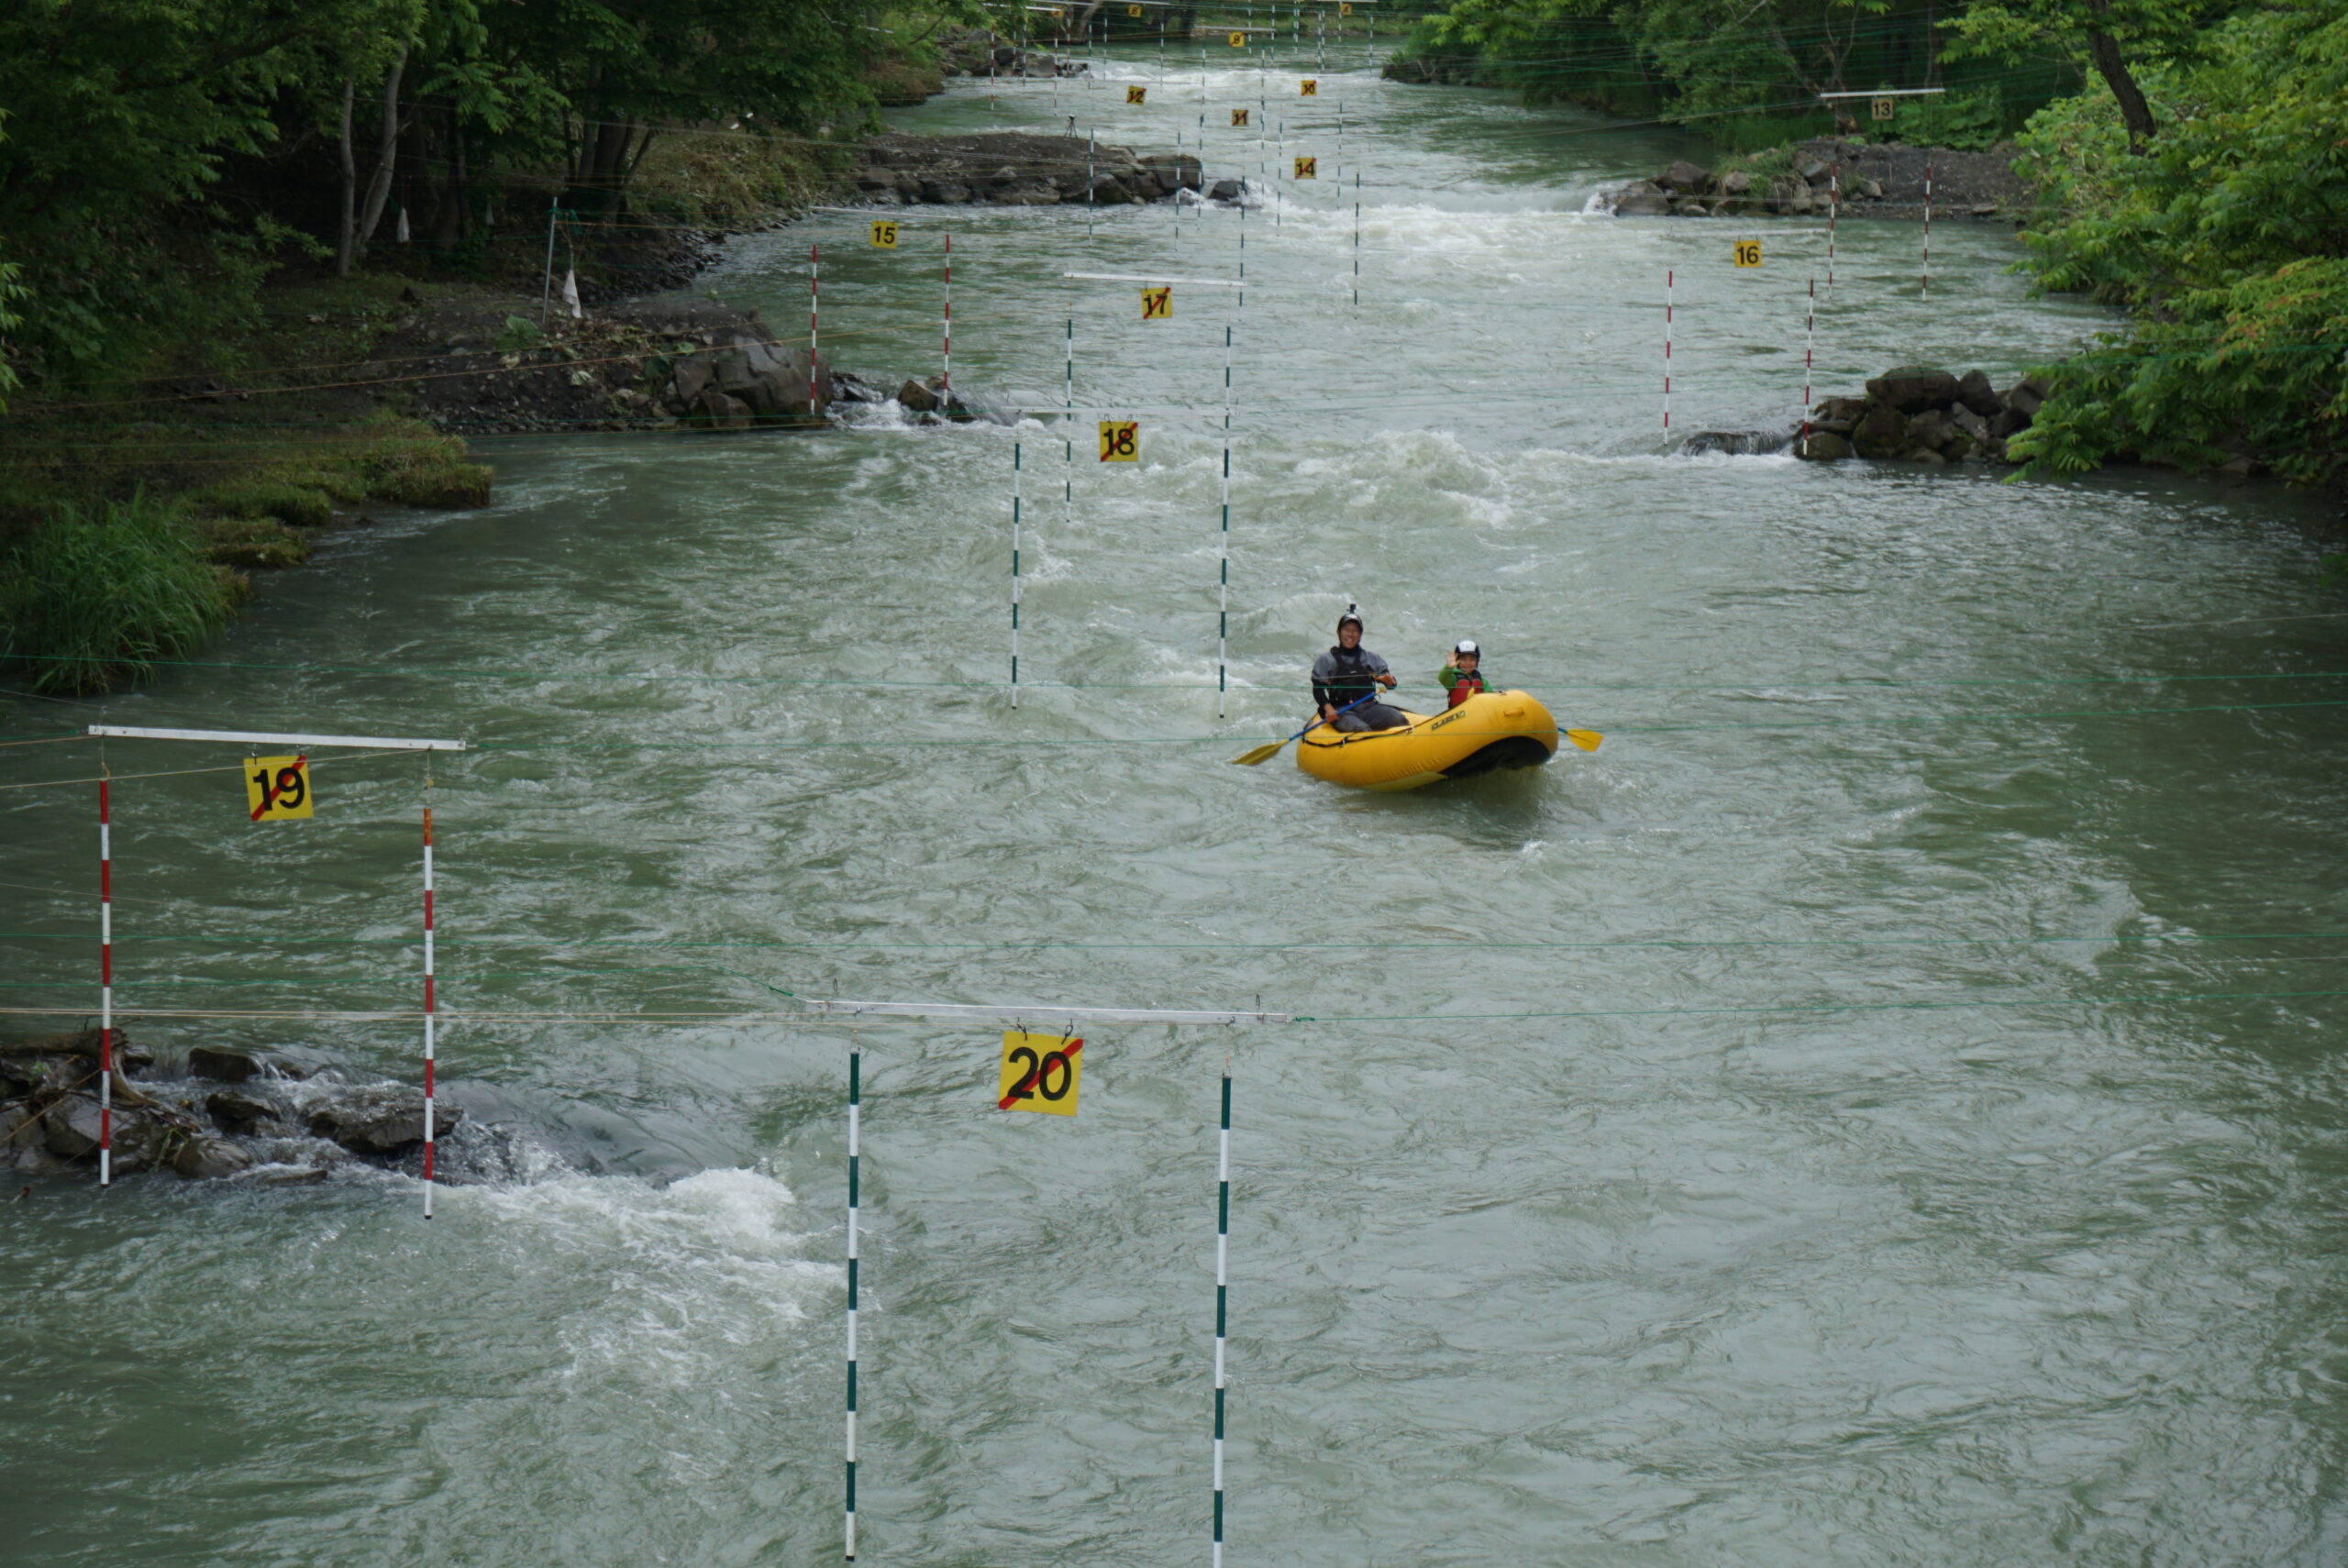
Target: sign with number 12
[
  {"x": 1136, "y": 94},
  {"x": 278, "y": 789}
]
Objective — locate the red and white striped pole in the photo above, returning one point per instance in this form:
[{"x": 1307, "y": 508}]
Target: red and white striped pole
[
  {"x": 431, "y": 1045},
  {"x": 1809, "y": 363},
  {"x": 814, "y": 289},
  {"x": 1928, "y": 232},
  {"x": 106, "y": 987},
  {"x": 946, "y": 381},
  {"x": 1667, "y": 351},
  {"x": 1834, "y": 211}
]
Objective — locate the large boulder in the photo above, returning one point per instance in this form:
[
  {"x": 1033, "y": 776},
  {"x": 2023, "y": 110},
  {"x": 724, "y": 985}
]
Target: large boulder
[
  {"x": 1684, "y": 179},
  {"x": 1736, "y": 182},
  {"x": 208, "y": 1159},
  {"x": 222, "y": 1066},
  {"x": 1640, "y": 198},
  {"x": 1839, "y": 414},
  {"x": 2026, "y": 397},
  {"x": 1973, "y": 390},
  {"x": 1788, "y": 194},
  {"x": 380, "y": 1120},
  {"x": 1882, "y": 434},
  {"x": 1912, "y": 389},
  {"x": 1823, "y": 447}
]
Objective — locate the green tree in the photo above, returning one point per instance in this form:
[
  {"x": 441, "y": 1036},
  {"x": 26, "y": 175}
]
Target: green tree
[{"x": 2116, "y": 37}]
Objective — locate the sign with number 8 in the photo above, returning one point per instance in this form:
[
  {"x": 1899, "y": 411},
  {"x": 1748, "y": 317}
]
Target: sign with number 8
[
  {"x": 1040, "y": 1073},
  {"x": 277, "y": 788},
  {"x": 1120, "y": 441}
]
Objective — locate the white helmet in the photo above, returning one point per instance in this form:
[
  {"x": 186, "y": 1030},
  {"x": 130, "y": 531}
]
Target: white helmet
[{"x": 1466, "y": 646}]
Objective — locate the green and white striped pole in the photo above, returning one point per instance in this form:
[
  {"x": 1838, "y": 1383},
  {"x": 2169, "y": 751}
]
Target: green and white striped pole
[
  {"x": 1014, "y": 574},
  {"x": 855, "y": 1099},
  {"x": 1222, "y": 587},
  {"x": 1222, "y": 1293}
]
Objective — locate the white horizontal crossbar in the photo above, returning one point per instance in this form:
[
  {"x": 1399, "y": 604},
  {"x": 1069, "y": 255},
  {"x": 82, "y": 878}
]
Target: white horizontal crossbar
[
  {"x": 255, "y": 737},
  {"x": 955, "y": 1012},
  {"x": 1145, "y": 278},
  {"x": 1886, "y": 93}
]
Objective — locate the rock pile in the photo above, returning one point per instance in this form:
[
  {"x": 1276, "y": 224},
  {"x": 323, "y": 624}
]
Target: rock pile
[
  {"x": 230, "y": 1113},
  {"x": 974, "y": 51},
  {"x": 1009, "y": 169},
  {"x": 1923, "y": 415},
  {"x": 1885, "y": 181}
]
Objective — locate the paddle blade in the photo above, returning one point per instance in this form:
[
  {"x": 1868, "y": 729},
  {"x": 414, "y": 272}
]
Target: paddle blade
[
  {"x": 1260, "y": 755},
  {"x": 1586, "y": 739}
]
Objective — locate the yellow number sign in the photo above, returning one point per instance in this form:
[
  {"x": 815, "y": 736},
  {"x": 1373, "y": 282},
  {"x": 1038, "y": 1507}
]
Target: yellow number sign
[
  {"x": 1239, "y": 40},
  {"x": 884, "y": 234},
  {"x": 1040, "y": 1073},
  {"x": 1749, "y": 253},
  {"x": 1134, "y": 12},
  {"x": 278, "y": 789},
  {"x": 1136, "y": 94},
  {"x": 1308, "y": 168},
  {"x": 1345, "y": 7},
  {"x": 1120, "y": 441},
  {"x": 1157, "y": 305},
  {"x": 1880, "y": 108},
  {"x": 1239, "y": 116},
  {"x": 1309, "y": 88}
]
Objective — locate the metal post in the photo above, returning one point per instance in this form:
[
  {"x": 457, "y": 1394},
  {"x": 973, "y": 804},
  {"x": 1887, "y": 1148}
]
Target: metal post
[
  {"x": 1088, "y": 178},
  {"x": 814, "y": 292},
  {"x": 1222, "y": 1293},
  {"x": 1014, "y": 574},
  {"x": 1667, "y": 351},
  {"x": 105, "y": 986},
  {"x": 1927, "y": 292},
  {"x": 855, "y": 1107},
  {"x": 546, "y": 289},
  {"x": 1222, "y": 590},
  {"x": 1808, "y": 364},
  {"x": 431, "y": 1045},
  {"x": 1356, "y": 236},
  {"x": 945, "y": 378}
]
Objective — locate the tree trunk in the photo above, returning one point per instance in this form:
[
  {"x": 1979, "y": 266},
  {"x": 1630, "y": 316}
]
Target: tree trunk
[
  {"x": 348, "y": 233},
  {"x": 387, "y": 143},
  {"x": 2134, "y": 112}
]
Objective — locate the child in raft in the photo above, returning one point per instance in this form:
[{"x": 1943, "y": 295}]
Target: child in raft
[{"x": 1459, "y": 677}]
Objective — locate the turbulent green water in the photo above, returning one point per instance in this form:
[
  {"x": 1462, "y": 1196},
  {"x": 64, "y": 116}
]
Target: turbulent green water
[{"x": 1880, "y": 1164}]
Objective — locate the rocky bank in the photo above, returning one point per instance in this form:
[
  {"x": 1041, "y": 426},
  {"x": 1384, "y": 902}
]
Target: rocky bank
[
  {"x": 225, "y": 1114},
  {"x": 1860, "y": 178}
]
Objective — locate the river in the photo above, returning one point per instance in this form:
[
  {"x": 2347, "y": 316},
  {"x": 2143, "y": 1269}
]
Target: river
[{"x": 1841, "y": 1120}]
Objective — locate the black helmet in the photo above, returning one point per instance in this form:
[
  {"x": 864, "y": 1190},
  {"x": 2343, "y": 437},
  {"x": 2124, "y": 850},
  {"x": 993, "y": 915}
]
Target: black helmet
[{"x": 1353, "y": 613}]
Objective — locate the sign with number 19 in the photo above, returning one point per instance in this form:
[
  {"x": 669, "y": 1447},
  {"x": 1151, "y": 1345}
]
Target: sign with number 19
[{"x": 277, "y": 788}]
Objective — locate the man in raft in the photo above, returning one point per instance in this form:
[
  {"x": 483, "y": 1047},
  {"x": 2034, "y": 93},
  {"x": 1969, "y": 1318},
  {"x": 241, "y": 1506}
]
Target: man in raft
[{"x": 1349, "y": 672}]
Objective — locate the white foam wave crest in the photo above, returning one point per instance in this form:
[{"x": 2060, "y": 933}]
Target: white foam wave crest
[{"x": 661, "y": 1278}]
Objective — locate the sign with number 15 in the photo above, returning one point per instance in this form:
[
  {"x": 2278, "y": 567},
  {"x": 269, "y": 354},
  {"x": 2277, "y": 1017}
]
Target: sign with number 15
[
  {"x": 884, "y": 235},
  {"x": 278, "y": 789}
]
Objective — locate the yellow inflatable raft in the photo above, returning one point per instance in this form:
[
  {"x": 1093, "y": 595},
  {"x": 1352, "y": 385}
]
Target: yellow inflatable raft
[{"x": 1489, "y": 731}]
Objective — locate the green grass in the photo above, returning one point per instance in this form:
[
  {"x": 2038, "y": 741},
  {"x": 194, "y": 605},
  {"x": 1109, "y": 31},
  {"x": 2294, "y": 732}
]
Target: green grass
[{"x": 93, "y": 594}]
